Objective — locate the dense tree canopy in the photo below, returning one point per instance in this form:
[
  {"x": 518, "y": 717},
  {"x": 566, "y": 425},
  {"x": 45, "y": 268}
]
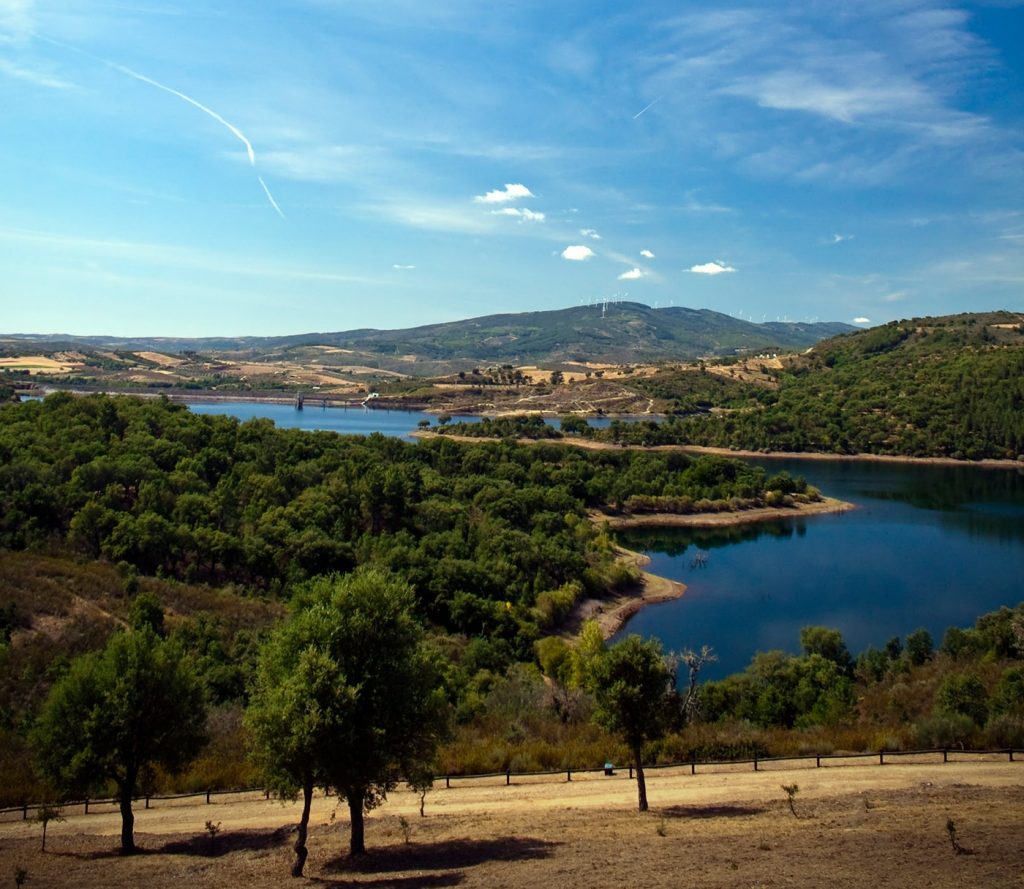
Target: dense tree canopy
[
  {"x": 348, "y": 696},
  {"x": 118, "y": 713}
]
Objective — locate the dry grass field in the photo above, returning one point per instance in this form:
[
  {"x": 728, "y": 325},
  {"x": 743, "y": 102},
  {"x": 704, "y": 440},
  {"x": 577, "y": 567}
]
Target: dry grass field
[{"x": 855, "y": 826}]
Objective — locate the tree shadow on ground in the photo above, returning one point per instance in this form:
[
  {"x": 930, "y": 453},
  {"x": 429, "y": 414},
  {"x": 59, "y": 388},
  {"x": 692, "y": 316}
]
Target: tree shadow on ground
[
  {"x": 413, "y": 881},
  {"x": 226, "y": 842},
  {"x": 710, "y": 811},
  {"x": 442, "y": 855}
]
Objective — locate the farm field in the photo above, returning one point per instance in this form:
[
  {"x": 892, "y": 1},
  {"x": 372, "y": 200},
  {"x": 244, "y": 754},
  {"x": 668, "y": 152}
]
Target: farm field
[{"x": 856, "y": 826}]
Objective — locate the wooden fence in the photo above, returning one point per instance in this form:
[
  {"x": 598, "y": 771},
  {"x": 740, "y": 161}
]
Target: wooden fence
[{"x": 759, "y": 763}]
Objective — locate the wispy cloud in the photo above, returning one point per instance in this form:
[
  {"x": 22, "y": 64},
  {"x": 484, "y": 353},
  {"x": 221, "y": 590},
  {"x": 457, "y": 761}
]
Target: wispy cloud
[
  {"x": 511, "y": 192},
  {"x": 15, "y": 21},
  {"x": 522, "y": 214},
  {"x": 634, "y": 274},
  {"x": 647, "y": 254},
  {"x": 861, "y": 321},
  {"x": 577, "y": 252},
  {"x": 896, "y": 71},
  {"x": 839, "y": 239},
  {"x": 590, "y": 233},
  {"x": 39, "y": 78},
  {"x": 711, "y": 268},
  {"x": 402, "y": 268}
]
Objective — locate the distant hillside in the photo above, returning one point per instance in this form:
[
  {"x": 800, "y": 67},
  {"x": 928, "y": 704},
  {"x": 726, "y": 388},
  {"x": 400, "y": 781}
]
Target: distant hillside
[
  {"x": 622, "y": 332},
  {"x": 925, "y": 387}
]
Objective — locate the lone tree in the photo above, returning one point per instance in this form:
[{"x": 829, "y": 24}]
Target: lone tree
[
  {"x": 634, "y": 697},
  {"x": 118, "y": 713},
  {"x": 348, "y": 696}
]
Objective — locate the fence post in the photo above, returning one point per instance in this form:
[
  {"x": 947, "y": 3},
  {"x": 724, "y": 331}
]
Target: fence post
[
  {"x": 945, "y": 755},
  {"x": 630, "y": 773},
  {"x": 24, "y": 812},
  {"x": 568, "y": 774},
  {"x": 448, "y": 781},
  {"x": 755, "y": 762},
  {"x": 508, "y": 777},
  {"x": 693, "y": 766},
  {"x": 207, "y": 797},
  {"x": 87, "y": 805},
  {"x": 817, "y": 761},
  {"x": 147, "y": 802},
  {"x": 881, "y": 758},
  {"x": 1011, "y": 754}
]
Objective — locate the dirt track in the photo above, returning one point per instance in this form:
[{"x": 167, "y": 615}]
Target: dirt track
[{"x": 857, "y": 826}]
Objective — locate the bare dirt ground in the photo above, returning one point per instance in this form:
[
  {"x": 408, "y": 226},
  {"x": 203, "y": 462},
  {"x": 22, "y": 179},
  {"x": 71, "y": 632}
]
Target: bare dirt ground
[{"x": 855, "y": 826}]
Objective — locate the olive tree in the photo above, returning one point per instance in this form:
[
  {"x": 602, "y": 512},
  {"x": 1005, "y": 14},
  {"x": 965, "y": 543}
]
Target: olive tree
[
  {"x": 634, "y": 697},
  {"x": 116, "y": 714},
  {"x": 347, "y": 697}
]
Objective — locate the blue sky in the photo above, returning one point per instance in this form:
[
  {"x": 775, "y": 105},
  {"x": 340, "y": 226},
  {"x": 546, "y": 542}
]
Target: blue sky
[{"x": 229, "y": 168}]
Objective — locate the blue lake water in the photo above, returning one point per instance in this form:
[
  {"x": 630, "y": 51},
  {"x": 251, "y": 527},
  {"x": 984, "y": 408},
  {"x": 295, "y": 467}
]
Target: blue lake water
[
  {"x": 928, "y": 546},
  {"x": 347, "y": 421}
]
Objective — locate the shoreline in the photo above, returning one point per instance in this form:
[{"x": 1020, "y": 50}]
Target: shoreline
[
  {"x": 988, "y": 463},
  {"x": 825, "y": 506},
  {"x": 613, "y": 613}
]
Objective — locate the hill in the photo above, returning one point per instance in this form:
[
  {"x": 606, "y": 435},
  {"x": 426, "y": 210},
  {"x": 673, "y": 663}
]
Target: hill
[
  {"x": 950, "y": 386},
  {"x": 618, "y": 333}
]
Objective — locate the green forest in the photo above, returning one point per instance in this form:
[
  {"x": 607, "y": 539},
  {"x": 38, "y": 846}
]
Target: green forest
[{"x": 210, "y": 542}]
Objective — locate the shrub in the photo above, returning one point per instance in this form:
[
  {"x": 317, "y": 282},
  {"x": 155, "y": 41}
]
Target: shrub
[{"x": 944, "y": 730}]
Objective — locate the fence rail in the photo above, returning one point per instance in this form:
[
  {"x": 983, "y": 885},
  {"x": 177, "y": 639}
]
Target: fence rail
[{"x": 820, "y": 760}]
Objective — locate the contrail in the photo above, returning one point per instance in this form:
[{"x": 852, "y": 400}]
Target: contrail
[
  {"x": 237, "y": 133},
  {"x": 270, "y": 197},
  {"x": 642, "y": 110}
]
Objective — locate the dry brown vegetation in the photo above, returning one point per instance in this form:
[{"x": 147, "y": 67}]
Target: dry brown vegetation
[{"x": 855, "y": 826}]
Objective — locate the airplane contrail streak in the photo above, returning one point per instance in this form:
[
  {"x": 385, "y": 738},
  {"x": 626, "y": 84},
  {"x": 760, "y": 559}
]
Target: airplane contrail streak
[
  {"x": 237, "y": 133},
  {"x": 270, "y": 197},
  {"x": 234, "y": 130},
  {"x": 647, "y": 108}
]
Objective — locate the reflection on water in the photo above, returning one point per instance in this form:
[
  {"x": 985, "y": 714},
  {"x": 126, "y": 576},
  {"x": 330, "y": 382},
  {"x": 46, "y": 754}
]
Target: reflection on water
[{"x": 928, "y": 546}]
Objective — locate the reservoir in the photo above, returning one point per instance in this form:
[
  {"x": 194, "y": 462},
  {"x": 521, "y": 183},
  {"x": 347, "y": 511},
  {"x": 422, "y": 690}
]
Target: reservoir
[{"x": 928, "y": 546}]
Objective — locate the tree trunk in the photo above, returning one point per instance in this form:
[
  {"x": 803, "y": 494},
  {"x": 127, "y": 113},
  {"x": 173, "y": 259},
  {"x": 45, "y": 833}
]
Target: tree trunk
[
  {"x": 300, "y": 841},
  {"x": 641, "y": 784},
  {"x": 127, "y": 818},
  {"x": 357, "y": 844}
]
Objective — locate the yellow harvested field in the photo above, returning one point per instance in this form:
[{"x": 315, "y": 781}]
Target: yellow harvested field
[
  {"x": 159, "y": 358},
  {"x": 37, "y": 364}
]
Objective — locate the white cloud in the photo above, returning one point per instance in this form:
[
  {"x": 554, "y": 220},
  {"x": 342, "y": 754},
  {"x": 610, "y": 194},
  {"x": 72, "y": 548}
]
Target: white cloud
[
  {"x": 646, "y": 254},
  {"x": 577, "y": 253},
  {"x": 589, "y": 233},
  {"x": 632, "y": 275},
  {"x": 15, "y": 20},
  {"x": 39, "y": 78},
  {"x": 523, "y": 214},
  {"x": 711, "y": 268},
  {"x": 861, "y": 320},
  {"x": 511, "y": 192},
  {"x": 838, "y": 239},
  {"x": 401, "y": 267}
]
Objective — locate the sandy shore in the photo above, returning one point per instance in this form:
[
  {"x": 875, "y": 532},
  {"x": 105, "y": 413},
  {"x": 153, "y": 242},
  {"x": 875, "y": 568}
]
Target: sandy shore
[
  {"x": 715, "y": 519},
  {"x": 759, "y": 455},
  {"x": 611, "y": 613}
]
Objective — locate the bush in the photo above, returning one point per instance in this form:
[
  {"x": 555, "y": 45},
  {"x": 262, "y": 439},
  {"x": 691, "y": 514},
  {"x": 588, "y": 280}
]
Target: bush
[
  {"x": 944, "y": 730},
  {"x": 963, "y": 695},
  {"x": 1005, "y": 730}
]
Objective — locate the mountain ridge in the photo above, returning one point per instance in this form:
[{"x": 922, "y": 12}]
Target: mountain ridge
[{"x": 617, "y": 332}]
